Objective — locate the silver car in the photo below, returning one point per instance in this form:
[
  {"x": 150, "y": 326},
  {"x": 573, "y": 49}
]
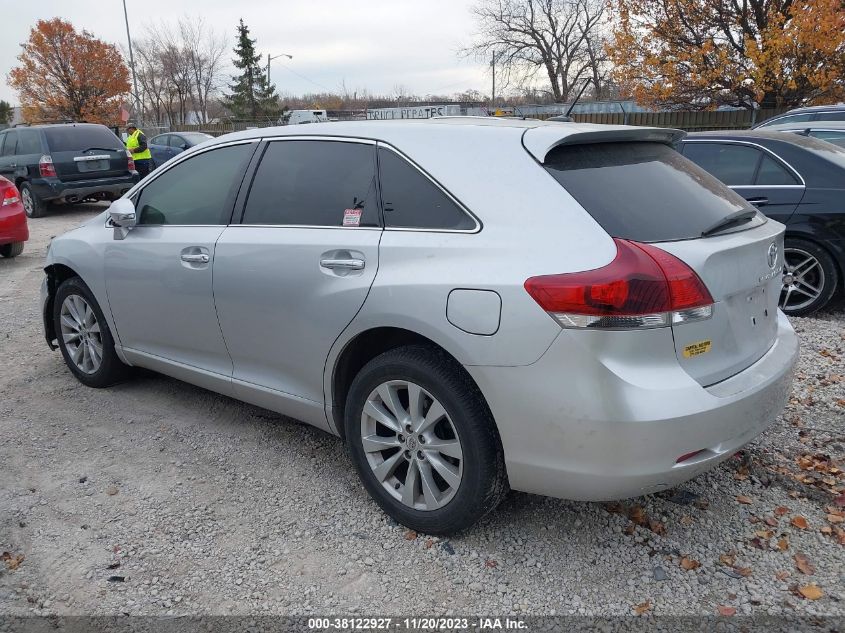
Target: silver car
[{"x": 471, "y": 304}]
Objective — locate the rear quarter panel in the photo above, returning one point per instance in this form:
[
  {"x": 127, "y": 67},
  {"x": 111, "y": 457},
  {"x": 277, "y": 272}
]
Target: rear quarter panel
[{"x": 530, "y": 226}]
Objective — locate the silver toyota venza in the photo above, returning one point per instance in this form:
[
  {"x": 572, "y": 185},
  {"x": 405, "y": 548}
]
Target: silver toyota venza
[{"x": 471, "y": 304}]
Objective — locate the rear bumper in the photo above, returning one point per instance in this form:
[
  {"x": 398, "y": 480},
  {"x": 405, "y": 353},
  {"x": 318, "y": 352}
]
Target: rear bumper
[
  {"x": 605, "y": 415},
  {"x": 13, "y": 227},
  {"x": 111, "y": 188}
]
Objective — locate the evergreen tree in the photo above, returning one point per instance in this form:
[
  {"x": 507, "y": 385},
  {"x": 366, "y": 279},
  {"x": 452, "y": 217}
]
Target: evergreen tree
[
  {"x": 5, "y": 112},
  {"x": 252, "y": 97}
]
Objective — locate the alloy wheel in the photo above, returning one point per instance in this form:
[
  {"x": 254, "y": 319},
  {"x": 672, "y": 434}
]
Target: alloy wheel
[
  {"x": 28, "y": 202},
  {"x": 411, "y": 445},
  {"x": 81, "y": 333},
  {"x": 803, "y": 279}
]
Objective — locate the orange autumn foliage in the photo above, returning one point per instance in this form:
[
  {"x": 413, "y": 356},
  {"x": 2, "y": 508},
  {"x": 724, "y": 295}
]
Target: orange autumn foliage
[
  {"x": 68, "y": 75},
  {"x": 707, "y": 53}
]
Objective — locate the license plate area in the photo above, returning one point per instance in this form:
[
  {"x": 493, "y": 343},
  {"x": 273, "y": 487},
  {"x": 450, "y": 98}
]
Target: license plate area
[{"x": 87, "y": 164}]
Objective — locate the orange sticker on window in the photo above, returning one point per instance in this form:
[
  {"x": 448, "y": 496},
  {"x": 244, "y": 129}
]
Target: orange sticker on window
[{"x": 697, "y": 349}]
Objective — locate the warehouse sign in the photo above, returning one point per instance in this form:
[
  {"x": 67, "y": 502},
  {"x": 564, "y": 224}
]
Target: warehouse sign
[{"x": 416, "y": 112}]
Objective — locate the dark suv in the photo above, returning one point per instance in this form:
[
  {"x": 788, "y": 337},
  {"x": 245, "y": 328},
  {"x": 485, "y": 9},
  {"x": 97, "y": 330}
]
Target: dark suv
[{"x": 65, "y": 163}]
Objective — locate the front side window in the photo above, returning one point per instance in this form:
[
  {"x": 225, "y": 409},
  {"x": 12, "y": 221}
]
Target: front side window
[
  {"x": 200, "y": 190},
  {"x": 314, "y": 183},
  {"x": 411, "y": 200},
  {"x": 831, "y": 116},
  {"x": 733, "y": 164}
]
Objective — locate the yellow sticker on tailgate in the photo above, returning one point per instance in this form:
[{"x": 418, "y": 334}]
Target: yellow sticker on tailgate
[{"x": 697, "y": 349}]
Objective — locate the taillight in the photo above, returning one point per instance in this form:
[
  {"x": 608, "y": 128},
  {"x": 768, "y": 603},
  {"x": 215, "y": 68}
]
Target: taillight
[
  {"x": 11, "y": 196},
  {"x": 130, "y": 163},
  {"x": 643, "y": 286},
  {"x": 46, "y": 167}
]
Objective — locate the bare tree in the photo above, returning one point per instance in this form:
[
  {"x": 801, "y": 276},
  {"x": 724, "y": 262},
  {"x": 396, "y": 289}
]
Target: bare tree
[
  {"x": 179, "y": 70},
  {"x": 549, "y": 37},
  {"x": 204, "y": 50}
]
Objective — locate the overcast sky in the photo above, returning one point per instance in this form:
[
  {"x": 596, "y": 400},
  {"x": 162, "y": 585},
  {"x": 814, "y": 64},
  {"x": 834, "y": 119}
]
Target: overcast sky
[{"x": 372, "y": 44}]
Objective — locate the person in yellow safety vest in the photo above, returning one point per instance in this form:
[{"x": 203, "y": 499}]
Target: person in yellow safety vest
[{"x": 136, "y": 143}]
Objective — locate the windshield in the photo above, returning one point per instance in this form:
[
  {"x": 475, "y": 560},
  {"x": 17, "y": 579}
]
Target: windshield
[
  {"x": 643, "y": 191},
  {"x": 195, "y": 138}
]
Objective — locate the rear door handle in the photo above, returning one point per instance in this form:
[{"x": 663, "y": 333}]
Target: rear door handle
[
  {"x": 195, "y": 258},
  {"x": 342, "y": 264},
  {"x": 759, "y": 201}
]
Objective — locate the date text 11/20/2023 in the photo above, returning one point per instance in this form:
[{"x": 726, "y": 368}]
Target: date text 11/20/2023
[{"x": 416, "y": 624}]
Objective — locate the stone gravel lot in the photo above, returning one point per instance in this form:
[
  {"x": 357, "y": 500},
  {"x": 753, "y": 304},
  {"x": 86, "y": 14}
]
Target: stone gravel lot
[{"x": 156, "y": 497}]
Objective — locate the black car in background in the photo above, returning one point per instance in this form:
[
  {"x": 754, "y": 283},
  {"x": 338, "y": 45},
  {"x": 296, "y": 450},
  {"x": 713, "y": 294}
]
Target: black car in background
[
  {"x": 65, "y": 163},
  {"x": 796, "y": 180}
]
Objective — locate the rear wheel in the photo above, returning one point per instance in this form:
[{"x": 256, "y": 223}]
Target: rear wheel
[
  {"x": 33, "y": 206},
  {"x": 810, "y": 277},
  {"x": 11, "y": 250},
  {"x": 84, "y": 337},
  {"x": 423, "y": 441}
]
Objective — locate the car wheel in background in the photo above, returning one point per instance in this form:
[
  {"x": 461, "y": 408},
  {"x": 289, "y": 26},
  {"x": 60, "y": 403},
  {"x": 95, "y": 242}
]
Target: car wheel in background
[
  {"x": 84, "y": 337},
  {"x": 11, "y": 250},
  {"x": 810, "y": 277},
  {"x": 424, "y": 441},
  {"x": 33, "y": 206}
]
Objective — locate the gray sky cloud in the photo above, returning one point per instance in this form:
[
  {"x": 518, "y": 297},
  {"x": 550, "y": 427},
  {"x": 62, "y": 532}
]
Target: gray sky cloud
[{"x": 368, "y": 44}]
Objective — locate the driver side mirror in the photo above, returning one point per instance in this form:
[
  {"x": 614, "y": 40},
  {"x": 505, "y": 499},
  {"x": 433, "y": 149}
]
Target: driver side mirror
[
  {"x": 184, "y": 146},
  {"x": 122, "y": 217}
]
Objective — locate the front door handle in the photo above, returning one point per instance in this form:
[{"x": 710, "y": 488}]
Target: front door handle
[
  {"x": 195, "y": 258},
  {"x": 343, "y": 264},
  {"x": 759, "y": 201}
]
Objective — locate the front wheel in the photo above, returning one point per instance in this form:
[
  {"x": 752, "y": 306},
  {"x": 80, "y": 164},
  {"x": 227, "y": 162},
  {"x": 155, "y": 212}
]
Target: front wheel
[
  {"x": 84, "y": 337},
  {"x": 423, "y": 441},
  {"x": 810, "y": 277}
]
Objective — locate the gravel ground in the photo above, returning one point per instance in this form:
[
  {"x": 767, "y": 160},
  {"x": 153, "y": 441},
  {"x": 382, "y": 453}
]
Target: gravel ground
[{"x": 156, "y": 497}]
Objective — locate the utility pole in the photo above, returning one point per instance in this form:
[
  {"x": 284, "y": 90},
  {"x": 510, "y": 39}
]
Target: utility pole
[
  {"x": 493, "y": 65},
  {"x": 138, "y": 111}
]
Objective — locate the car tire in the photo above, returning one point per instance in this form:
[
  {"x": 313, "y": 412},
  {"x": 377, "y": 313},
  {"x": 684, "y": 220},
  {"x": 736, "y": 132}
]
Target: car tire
[
  {"x": 11, "y": 250},
  {"x": 811, "y": 277},
  {"x": 424, "y": 500},
  {"x": 87, "y": 345},
  {"x": 33, "y": 206}
]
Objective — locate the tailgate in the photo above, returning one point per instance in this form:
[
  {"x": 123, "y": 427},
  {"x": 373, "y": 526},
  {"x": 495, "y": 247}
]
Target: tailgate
[
  {"x": 742, "y": 271},
  {"x": 90, "y": 165}
]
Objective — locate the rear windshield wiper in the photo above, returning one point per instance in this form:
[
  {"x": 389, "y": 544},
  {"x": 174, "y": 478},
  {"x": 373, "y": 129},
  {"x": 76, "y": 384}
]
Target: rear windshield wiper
[
  {"x": 730, "y": 221},
  {"x": 101, "y": 149}
]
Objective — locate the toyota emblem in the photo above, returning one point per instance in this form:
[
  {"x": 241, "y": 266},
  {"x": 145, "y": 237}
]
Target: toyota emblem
[{"x": 772, "y": 255}]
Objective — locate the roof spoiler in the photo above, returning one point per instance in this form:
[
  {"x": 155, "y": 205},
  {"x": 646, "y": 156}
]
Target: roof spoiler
[{"x": 539, "y": 141}]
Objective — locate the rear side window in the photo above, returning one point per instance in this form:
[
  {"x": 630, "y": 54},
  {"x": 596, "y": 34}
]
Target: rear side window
[
  {"x": 314, "y": 183},
  {"x": 75, "y": 138},
  {"x": 831, "y": 116},
  {"x": 642, "y": 191},
  {"x": 772, "y": 172},
  {"x": 411, "y": 200},
  {"x": 200, "y": 190},
  {"x": 733, "y": 164},
  {"x": 29, "y": 142}
]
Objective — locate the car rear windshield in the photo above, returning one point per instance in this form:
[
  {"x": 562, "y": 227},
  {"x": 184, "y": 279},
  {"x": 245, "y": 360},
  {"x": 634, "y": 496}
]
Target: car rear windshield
[
  {"x": 68, "y": 138},
  {"x": 642, "y": 191}
]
